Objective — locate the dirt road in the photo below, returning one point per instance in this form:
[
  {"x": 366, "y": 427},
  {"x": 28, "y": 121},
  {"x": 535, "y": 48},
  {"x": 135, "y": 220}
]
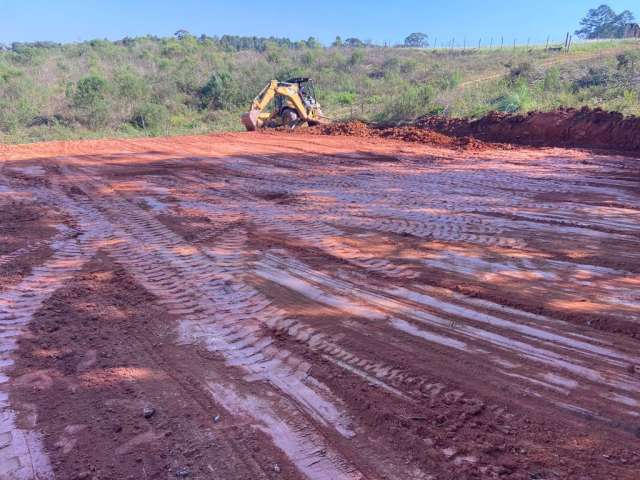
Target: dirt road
[{"x": 267, "y": 306}]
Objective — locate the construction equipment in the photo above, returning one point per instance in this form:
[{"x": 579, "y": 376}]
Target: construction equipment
[{"x": 295, "y": 104}]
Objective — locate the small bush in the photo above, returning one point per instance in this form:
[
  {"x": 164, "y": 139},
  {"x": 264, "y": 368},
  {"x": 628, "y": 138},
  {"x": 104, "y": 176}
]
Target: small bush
[
  {"x": 26, "y": 55},
  {"x": 517, "y": 100},
  {"x": 90, "y": 100},
  {"x": 521, "y": 71},
  {"x": 551, "y": 82},
  {"x": 7, "y": 73},
  {"x": 595, "y": 77},
  {"x": 628, "y": 61},
  {"x": 152, "y": 118},
  {"x": 411, "y": 103},
  {"x": 308, "y": 57},
  {"x": 448, "y": 80},
  {"x": 345, "y": 98},
  {"x": 357, "y": 57}
]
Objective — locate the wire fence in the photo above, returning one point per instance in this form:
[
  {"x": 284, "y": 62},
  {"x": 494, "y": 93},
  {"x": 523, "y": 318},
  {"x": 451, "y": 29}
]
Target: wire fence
[{"x": 566, "y": 43}]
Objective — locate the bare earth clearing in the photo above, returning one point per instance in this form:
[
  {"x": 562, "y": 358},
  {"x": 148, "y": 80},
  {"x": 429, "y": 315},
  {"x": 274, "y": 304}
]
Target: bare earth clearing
[{"x": 300, "y": 306}]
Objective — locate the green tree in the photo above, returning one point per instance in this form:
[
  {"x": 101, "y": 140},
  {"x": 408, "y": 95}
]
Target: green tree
[
  {"x": 312, "y": 42},
  {"x": 220, "y": 92},
  {"x": 604, "y": 22},
  {"x": 417, "y": 39},
  {"x": 337, "y": 42},
  {"x": 182, "y": 34},
  {"x": 90, "y": 100},
  {"x": 354, "y": 42},
  {"x": 130, "y": 88}
]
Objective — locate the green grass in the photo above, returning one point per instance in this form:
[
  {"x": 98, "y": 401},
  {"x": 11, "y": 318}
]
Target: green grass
[{"x": 150, "y": 86}]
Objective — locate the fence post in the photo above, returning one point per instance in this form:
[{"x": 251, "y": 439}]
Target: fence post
[
  {"x": 479, "y": 43},
  {"x": 514, "y": 44},
  {"x": 491, "y": 45},
  {"x": 501, "y": 42},
  {"x": 566, "y": 42},
  {"x": 547, "y": 46}
]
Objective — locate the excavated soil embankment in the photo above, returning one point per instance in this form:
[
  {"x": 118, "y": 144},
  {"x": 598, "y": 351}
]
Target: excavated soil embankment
[
  {"x": 585, "y": 128},
  {"x": 565, "y": 127}
]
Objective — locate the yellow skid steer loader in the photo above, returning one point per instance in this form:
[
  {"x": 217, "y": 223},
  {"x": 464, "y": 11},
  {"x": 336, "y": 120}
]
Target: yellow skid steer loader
[{"x": 295, "y": 104}]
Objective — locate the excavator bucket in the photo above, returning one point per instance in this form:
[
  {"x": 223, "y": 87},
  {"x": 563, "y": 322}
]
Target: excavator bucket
[{"x": 250, "y": 120}]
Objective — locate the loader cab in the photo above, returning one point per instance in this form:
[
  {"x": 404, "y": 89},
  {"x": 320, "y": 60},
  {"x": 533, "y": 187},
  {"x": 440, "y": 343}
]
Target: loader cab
[{"x": 306, "y": 89}]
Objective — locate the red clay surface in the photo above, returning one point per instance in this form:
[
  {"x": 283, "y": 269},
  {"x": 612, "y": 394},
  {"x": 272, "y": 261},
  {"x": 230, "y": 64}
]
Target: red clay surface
[{"x": 269, "y": 306}]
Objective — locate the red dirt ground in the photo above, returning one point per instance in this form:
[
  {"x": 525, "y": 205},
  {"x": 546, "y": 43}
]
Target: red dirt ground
[{"x": 271, "y": 306}]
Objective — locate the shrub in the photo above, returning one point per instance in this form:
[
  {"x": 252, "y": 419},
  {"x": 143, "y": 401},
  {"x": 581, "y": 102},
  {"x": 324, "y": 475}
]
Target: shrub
[
  {"x": 152, "y": 118},
  {"x": 345, "y": 98},
  {"x": 89, "y": 100},
  {"x": 628, "y": 61},
  {"x": 130, "y": 88},
  {"x": 448, "y": 80},
  {"x": 357, "y": 57},
  {"x": 26, "y": 54},
  {"x": 593, "y": 78},
  {"x": 288, "y": 72},
  {"x": 521, "y": 71},
  {"x": 517, "y": 100},
  {"x": 308, "y": 58},
  {"x": 390, "y": 64},
  {"x": 411, "y": 103},
  {"x": 7, "y": 73},
  {"x": 408, "y": 66},
  {"x": 551, "y": 82},
  {"x": 220, "y": 92}
]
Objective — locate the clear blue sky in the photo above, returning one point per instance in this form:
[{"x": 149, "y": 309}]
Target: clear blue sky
[{"x": 380, "y": 21}]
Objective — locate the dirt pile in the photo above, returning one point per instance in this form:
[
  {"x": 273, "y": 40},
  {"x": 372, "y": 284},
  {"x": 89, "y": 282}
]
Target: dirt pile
[
  {"x": 409, "y": 133},
  {"x": 591, "y": 128}
]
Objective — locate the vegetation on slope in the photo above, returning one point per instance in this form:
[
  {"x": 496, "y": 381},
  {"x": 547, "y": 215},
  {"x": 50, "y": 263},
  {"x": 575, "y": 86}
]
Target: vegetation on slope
[{"x": 153, "y": 86}]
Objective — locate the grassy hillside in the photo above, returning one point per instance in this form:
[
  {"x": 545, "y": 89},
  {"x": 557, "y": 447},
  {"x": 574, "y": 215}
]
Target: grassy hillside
[{"x": 151, "y": 86}]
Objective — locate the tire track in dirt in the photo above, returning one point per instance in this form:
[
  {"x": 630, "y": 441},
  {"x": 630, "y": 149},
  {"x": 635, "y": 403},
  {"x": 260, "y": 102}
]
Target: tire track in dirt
[
  {"x": 353, "y": 363},
  {"x": 532, "y": 338},
  {"x": 21, "y": 451},
  {"x": 314, "y": 226},
  {"x": 208, "y": 300},
  {"x": 252, "y": 303}
]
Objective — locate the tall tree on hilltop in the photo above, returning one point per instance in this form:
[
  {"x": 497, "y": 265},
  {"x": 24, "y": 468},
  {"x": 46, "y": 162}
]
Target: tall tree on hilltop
[
  {"x": 417, "y": 39},
  {"x": 604, "y": 22}
]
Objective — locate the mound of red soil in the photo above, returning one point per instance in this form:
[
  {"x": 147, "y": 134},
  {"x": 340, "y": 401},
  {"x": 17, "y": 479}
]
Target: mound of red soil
[
  {"x": 409, "y": 133},
  {"x": 354, "y": 128},
  {"x": 564, "y": 127}
]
